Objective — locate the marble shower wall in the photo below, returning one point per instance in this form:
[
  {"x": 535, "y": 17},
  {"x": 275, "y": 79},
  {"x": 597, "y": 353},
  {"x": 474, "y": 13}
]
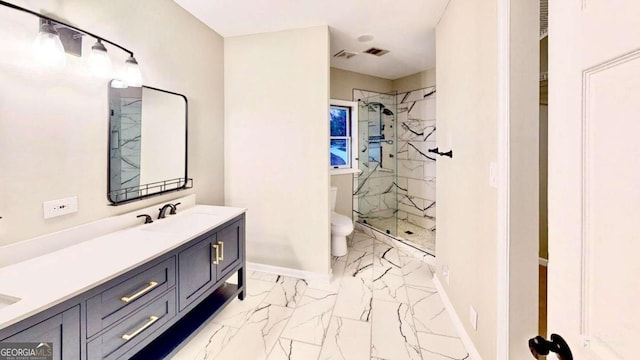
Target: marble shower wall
[
  {"x": 402, "y": 183},
  {"x": 416, "y": 166}
]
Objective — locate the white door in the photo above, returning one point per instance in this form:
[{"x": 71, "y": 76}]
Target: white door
[{"x": 594, "y": 176}]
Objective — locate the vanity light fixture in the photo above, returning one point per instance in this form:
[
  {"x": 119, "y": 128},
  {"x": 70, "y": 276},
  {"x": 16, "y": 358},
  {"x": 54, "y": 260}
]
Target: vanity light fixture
[
  {"x": 50, "y": 49},
  {"x": 100, "y": 62},
  {"x": 132, "y": 74},
  {"x": 47, "y": 47}
]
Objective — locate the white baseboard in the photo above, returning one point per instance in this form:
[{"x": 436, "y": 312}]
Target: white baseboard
[
  {"x": 295, "y": 273},
  {"x": 457, "y": 323}
]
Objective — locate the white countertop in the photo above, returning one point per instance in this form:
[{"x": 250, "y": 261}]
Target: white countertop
[{"x": 49, "y": 279}]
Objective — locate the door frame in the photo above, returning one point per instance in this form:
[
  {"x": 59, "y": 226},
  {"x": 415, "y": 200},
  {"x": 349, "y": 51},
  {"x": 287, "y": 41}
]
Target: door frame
[
  {"x": 517, "y": 207},
  {"x": 503, "y": 176}
]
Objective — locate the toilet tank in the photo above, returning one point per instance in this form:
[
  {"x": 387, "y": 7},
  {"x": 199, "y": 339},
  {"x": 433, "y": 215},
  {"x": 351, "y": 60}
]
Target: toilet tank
[{"x": 334, "y": 194}]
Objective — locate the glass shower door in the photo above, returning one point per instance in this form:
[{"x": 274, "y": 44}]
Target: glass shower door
[{"x": 375, "y": 196}]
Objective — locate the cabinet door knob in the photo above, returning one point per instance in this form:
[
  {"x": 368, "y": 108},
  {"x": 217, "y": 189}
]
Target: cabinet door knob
[{"x": 216, "y": 261}]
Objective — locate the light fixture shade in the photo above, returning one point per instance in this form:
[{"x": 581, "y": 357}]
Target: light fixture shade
[
  {"x": 100, "y": 62},
  {"x": 47, "y": 47},
  {"x": 119, "y": 84},
  {"x": 132, "y": 74}
]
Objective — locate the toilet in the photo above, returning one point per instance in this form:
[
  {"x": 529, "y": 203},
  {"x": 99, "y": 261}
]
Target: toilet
[{"x": 341, "y": 226}]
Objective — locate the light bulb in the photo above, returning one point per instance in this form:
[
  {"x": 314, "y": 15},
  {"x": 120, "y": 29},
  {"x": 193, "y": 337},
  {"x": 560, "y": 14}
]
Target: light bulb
[
  {"x": 118, "y": 84},
  {"x": 47, "y": 47},
  {"x": 132, "y": 74},
  {"x": 100, "y": 62}
]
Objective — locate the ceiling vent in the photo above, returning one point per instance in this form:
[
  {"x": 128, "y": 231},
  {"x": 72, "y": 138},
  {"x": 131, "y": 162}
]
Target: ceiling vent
[
  {"x": 345, "y": 54},
  {"x": 376, "y": 51}
]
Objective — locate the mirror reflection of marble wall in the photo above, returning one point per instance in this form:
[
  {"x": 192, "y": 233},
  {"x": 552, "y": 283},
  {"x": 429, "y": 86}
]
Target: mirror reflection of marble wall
[
  {"x": 126, "y": 128},
  {"x": 147, "y": 142}
]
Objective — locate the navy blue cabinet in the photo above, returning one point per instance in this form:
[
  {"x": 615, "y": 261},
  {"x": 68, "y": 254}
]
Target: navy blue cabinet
[
  {"x": 207, "y": 262},
  {"x": 122, "y": 316},
  {"x": 195, "y": 270},
  {"x": 62, "y": 330},
  {"x": 230, "y": 241},
  {"x": 128, "y": 295},
  {"x": 133, "y": 330}
]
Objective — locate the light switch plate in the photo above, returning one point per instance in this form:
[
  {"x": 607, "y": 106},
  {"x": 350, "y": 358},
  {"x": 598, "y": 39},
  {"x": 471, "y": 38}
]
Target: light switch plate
[{"x": 60, "y": 207}]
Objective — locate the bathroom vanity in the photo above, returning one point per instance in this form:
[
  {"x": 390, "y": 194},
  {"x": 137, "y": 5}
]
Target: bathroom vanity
[{"x": 131, "y": 290}]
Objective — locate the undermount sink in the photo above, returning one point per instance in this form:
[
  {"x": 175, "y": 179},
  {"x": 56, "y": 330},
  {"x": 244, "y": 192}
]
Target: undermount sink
[
  {"x": 184, "y": 223},
  {"x": 6, "y": 300}
]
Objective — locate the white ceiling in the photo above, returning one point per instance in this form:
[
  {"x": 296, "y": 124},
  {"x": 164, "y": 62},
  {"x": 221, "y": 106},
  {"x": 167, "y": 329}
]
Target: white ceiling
[{"x": 404, "y": 27}]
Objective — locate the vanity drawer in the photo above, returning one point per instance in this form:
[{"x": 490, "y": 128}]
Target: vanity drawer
[
  {"x": 116, "y": 302},
  {"x": 134, "y": 329}
]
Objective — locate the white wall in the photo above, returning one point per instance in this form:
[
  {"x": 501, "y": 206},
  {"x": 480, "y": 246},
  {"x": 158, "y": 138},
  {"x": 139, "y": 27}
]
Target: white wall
[
  {"x": 277, "y": 144},
  {"x": 467, "y": 113},
  {"x": 524, "y": 120},
  {"x": 53, "y": 124},
  {"x": 343, "y": 82},
  {"x": 415, "y": 81},
  {"x": 466, "y": 57}
]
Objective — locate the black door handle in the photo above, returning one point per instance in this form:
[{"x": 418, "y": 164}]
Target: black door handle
[{"x": 540, "y": 346}]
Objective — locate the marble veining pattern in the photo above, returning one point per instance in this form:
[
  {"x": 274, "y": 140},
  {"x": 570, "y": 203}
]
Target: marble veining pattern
[
  {"x": 310, "y": 320},
  {"x": 347, "y": 340},
  {"x": 287, "y": 291},
  {"x": 287, "y": 349},
  {"x": 395, "y": 192},
  {"x": 393, "y": 333},
  {"x": 381, "y": 304}
]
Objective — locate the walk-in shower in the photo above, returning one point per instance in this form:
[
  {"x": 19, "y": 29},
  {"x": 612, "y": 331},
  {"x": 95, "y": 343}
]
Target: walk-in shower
[{"x": 394, "y": 192}]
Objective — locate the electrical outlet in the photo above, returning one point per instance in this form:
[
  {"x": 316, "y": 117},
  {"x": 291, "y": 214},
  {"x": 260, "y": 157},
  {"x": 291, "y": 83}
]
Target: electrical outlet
[
  {"x": 60, "y": 207},
  {"x": 445, "y": 273},
  {"x": 473, "y": 317}
]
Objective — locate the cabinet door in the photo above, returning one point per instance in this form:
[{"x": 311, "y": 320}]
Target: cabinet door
[
  {"x": 230, "y": 242},
  {"x": 63, "y": 330},
  {"x": 196, "y": 271}
]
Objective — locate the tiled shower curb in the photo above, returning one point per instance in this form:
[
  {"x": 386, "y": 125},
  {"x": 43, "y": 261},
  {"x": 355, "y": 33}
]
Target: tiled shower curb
[{"x": 401, "y": 245}]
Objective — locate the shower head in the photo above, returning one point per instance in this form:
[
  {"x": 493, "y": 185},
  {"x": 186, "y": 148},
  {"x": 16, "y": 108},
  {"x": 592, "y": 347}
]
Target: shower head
[
  {"x": 375, "y": 106},
  {"x": 378, "y": 106}
]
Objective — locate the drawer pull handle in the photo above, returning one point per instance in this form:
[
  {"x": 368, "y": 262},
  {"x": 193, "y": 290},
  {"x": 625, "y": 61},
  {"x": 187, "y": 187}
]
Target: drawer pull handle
[
  {"x": 152, "y": 319},
  {"x": 216, "y": 261},
  {"x": 151, "y": 285},
  {"x": 221, "y": 250}
]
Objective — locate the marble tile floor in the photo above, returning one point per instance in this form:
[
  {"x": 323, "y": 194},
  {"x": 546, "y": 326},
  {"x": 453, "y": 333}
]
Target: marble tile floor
[
  {"x": 420, "y": 237},
  {"x": 381, "y": 304}
]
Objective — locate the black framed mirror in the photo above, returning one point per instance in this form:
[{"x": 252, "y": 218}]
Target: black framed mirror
[{"x": 147, "y": 143}]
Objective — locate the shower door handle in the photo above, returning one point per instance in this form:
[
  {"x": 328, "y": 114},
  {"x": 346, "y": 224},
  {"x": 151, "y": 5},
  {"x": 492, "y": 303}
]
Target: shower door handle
[{"x": 436, "y": 151}]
